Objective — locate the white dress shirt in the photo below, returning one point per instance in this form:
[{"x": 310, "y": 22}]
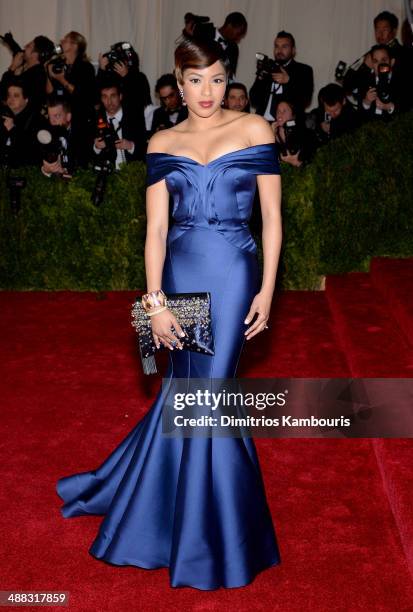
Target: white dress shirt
[{"x": 276, "y": 88}]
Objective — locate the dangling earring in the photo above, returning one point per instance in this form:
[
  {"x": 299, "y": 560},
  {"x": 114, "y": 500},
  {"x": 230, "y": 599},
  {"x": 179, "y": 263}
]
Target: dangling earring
[
  {"x": 223, "y": 101},
  {"x": 181, "y": 93}
]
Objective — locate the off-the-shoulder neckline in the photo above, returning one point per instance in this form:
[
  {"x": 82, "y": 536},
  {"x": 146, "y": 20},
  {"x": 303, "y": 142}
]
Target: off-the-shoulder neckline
[{"x": 194, "y": 161}]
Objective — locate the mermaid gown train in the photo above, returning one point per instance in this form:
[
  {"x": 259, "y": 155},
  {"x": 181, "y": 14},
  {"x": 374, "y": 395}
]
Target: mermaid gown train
[{"x": 195, "y": 505}]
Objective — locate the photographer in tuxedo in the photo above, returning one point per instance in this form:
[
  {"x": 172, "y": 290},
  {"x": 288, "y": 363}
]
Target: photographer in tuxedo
[
  {"x": 172, "y": 111},
  {"x": 72, "y": 76},
  {"x": 385, "y": 90},
  {"x": 229, "y": 35},
  {"x": 28, "y": 65},
  {"x": 288, "y": 79},
  {"x": 19, "y": 125},
  {"x": 385, "y": 32},
  {"x": 126, "y": 131},
  {"x": 335, "y": 116},
  {"x": 122, "y": 63},
  {"x": 296, "y": 143},
  {"x": 69, "y": 147}
]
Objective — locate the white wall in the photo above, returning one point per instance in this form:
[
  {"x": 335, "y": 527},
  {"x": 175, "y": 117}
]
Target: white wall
[{"x": 325, "y": 30}]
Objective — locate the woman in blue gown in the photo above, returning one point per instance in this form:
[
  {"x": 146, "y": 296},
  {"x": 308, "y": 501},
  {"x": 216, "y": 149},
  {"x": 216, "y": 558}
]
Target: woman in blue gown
[{"x": 196, "y": 504}]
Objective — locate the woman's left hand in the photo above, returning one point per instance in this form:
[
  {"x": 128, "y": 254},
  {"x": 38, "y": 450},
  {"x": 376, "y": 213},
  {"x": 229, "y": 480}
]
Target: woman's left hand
[{"x": 261, "y": 305}]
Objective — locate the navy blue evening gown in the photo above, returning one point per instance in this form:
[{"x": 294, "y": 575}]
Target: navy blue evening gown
[{"x": 195, "y": 505}]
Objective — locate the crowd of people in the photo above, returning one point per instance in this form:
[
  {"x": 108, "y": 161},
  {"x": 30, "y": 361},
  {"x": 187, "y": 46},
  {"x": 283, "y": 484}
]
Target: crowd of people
[{"x": 57, "y": 112}]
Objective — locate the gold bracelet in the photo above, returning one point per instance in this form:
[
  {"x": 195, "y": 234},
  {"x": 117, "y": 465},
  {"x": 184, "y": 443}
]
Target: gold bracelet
[
  {"x": 154, "y": 312},
  {"x": 153, "y": 299}
]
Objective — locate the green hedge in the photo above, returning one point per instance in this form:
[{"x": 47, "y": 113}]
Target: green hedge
[
  {"x": 61, "y": 240},
  {"x": 354, "y": 201}
]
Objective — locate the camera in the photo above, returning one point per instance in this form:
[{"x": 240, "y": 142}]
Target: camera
[
  {"x": 121, "y": 52},
  {"x": 54, "y": 145},
  {"x": 5, "y": 111},
  {"x": 383, "y": 85},
  {"x": 57, "y": 60},
  {"x": 8, "y": 40},
  {"x": 340, "y": 71},
  {"x": 266, "y": 65},
  {"x": 103, "y": 167},
  {"x": 106, "y": 131},
  {"x": 105, "y": 160},
  {"x": 292, "y": 137}
]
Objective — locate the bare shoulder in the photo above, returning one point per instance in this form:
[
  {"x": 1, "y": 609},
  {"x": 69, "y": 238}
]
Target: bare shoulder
[
  {"x": 258, "y": 130},
  {"x": 159, "y": 142}
]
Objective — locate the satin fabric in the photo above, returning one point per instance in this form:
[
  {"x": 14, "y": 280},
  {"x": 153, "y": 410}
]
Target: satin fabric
[{"x": 195, "y": 505}]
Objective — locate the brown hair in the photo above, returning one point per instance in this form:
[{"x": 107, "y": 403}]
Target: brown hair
[
  {"x": 198, "y": 53},
  {"x": 81, "y": 43}
]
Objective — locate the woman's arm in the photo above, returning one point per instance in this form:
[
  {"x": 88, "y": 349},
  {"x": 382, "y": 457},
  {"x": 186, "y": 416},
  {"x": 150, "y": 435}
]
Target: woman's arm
[
  {"x": 157, "y": 203},
  {"x": 157, "y": 217},
  {"x": 269, "y": 187}
]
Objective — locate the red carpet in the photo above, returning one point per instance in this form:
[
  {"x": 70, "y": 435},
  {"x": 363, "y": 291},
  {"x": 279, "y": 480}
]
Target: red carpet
[{"x": 71, "y": 389}]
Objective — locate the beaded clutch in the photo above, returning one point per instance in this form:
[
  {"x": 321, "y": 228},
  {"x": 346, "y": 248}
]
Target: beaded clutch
[{"x": 193, "y": 311}]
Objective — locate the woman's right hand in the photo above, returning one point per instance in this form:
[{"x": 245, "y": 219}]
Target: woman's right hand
[{"x": 163, "y": 326}]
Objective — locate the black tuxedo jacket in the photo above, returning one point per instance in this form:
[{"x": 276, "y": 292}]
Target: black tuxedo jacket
[
  {"x": 34, "y": 81},
  {"x": 19, "y": 146},
  {"x": 298, "y": 90},
  {"x": 400, "y": 91},
  {"x": 161, "y": 118},
  {"x": 134, "y": 129}
]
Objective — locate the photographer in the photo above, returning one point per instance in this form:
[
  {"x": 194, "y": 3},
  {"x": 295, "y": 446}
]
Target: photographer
[
  {"x": 383, "y": 92},
  {"x": 19, "y": 125},
  {"x": 236, "y": 98},
  {"x": 335, "y": 116},
  {"x": 385, "y": 32},
  {"x": 122, "y": 136},
  {"x": 296, "y": 144},
  {"x": 72, "y": 76},
  {"x": 28, "y": 65},
  {"x": 229, "y": 35},
  {"x": 288, "y": 78},
  {"x": 68, "y": 147},
  {"x": 122, "y": 63},
  {"x": 171, "y": 111}
]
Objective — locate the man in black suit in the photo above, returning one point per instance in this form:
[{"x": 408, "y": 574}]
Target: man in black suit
[
  {"x": 229, "y": 35},
  {"x": 335, "y": 116},
  {"x": 291, "y": 80},
  {"x": 74, "y": 144},
  {"x": 19, "y": 124},
  {"x": 385, "y": 32},
  {"x": 171, "y": 111},
  {"x": 28, "y": 65},
  {"x": 129, "y": 129},
  {"x": 384, "y": 90}
]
